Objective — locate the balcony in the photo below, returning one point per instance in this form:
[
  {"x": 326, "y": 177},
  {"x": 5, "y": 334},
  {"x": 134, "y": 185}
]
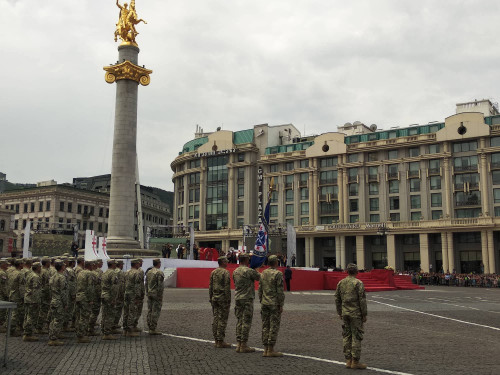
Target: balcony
[
  {"x": 495, "y": 165},
  {"x": 468, "y": 202},
  {"x": 434, "y": 171},
  {"x": 466, "y": 168},
  {"x": 352, "y": 179},
  {"x": 392, "y": 175},
  {"x": 304, "y": 183},
  {"x": 327, "y": 181},
  {"x": 373, "y": 177},
  {"x": 470, "y": 185},
  {"x": 414, "y": 173}
]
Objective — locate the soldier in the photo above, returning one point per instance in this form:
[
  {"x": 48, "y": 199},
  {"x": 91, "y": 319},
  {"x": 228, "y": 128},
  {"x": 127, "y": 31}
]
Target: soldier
[
  {"x": 84, "y": 299},
  {"x": 58, "y": 292},
  {"x": 80, "y": 264},
  {"x": 16, "y": 295},
  {"x": 134, "y": 292},
  {"x": 244, "y": 295},
  {"x": 120, "y": 296},
  {"x": 219, "y": 293},
  {"x": 350, "y": 300},
  {"x": 140, "y": 297},
  {"x": 4, "y": 296},
  {"x": 154, "y": 284},
  {"x": 42, "y": 325},
  {"x": 272, "y": 298},
  {"x": 11, "y": 266},
  {"x": 70, "y": 312},
  {"x": 96, "y": 306},
  {"x": 32, "y": 301},
  {"x": 109, "y": 293}
]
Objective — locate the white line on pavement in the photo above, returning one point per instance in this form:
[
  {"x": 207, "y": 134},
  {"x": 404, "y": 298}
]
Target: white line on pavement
[
  {"x": 438, "y": 316},
  {"x": 295, "y": 355}
]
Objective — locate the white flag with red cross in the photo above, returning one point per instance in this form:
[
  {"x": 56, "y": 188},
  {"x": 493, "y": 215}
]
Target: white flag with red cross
[
  {"x": 90, "y": 245},
  {"x": 102, "y": 249}
]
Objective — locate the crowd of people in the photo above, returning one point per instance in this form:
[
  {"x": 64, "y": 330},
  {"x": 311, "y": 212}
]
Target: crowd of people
[
  {"x": 457, "y": 279},
  {"x": 67, "y": 294}
]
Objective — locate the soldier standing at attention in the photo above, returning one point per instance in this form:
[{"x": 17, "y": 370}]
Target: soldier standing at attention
[
  {"x": 109, "y": 293},
  {"x": 154, "y": 284},
  {"x": 120, "y": 296},
  {"x": 140, "y": 298},
  {"x": 4, "y": 296},
  {"x": 16, "y": 295},
  {"x": 272, "y": 298},
  {"x": 96, "y": 306},
  {"x": 32, "y": 299},
  {"x": 84, "y": 298},
  {"x": 42, "y": 325},
  {"x": 244, "y": 295},
  {"x": 58, "y": 291},
  {"x": 71, "y": 276},
  {"x": 350, "y": 300},
  {"x": 219, "y": 293},
  {"x": 134, "y": 289}
]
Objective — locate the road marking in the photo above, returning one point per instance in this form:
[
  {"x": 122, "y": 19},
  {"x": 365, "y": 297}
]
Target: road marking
[
  {"x": 390, "y": 299},
  {"x": 293, "y": 355},
  {"x": 438, "y": 316}
]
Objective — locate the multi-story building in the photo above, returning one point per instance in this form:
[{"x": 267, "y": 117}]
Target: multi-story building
[
  {"x": 58, "y": 208},
  {"x": 424, "y": 196},
  {"x": 6, "y": 233}
]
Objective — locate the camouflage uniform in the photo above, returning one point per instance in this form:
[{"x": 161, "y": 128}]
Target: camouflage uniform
[
  {"x": 120, "y": 297},
  {"x": 4, "y": 296},
  {"x": 350, "y": 300},
  {"x": 272, "y": 298},
  {"x": 78, "y": 269},
  {"x": 134, "y": 295},
  {"x": 141, "y": 293},
  {"x": 85, "y": 295},
  {"x": 109, "y": 293},
  {"x": 96, "y": 306},
  {"x": 154, "y": 283},
  {"x": 16, "y": 294},
  {"x": 58, "y": 292},
  {"x": 244, "y": 295},
  {"x": 32, "y": 300},
  {"x": 219, "y": 292},
  {"x": 70, "y": 311},
  {"x": 43, "y": 322}
]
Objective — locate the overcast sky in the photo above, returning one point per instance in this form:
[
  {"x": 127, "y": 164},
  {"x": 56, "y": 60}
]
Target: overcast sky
[{"x": 230, "y": 63}]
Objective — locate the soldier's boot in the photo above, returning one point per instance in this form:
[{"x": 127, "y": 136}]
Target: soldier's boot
[
  {"x": 238, "y": 346},
  {"x": 356, "y": 365},
  {"x": 132, "y": 334},
  {"x": 348, "y": 363},
  {"x": 109, "y": 337},
  {"x": 117, "y": 331},
  {"x": 245, "y": 349},
  {"x": 55, "y": 343},
  {"x": 221, "y": 344},
  {"x": 266, "y": 349},
  {"x": 154, "y": 332},
  {"x": 272, "y": 353},
  {"x": 82, "y": 340},
  {"x": 30, "y": 338}
]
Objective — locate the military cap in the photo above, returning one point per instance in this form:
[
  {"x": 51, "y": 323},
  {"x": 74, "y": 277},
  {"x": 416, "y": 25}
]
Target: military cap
[
  {"x": 11, "y": 260},
  {"x": 59, "y": 261},
  {"x": 63, "y": 257},
  {"x": 66, "y": 255},
  {"x": 80, "y": 258},
  {"x": 19, "y": 261},
  {"x": 352, "y": 267},
  {"x": 36, "y": 259},
  {"x": 272, "y": 258},
  {"x": 221, "y": 258},
  {"x": 28, "y": 260},
  {"x": 36, "y": 264},
  {"x": 243, "y": 256},
  {"x": 111, "y": 261},
  {"x": 45, "y": 257},
  {"x": 135, "y": 261},
  {"x": 3, "y": 261}
]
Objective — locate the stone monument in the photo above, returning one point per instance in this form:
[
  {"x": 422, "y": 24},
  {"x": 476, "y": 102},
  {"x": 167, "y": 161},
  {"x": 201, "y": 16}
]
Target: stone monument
[{"x": 127, "y": 75}]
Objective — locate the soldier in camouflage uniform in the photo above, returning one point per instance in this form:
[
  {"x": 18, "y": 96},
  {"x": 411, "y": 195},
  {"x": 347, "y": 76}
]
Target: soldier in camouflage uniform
[
  {"x": 58, "y": 292},
  {"x": 141, "y": 291},
  {"x": 42, "y": 325},
  {"x": 4, "y": 296},
  {"x": 96, "y": 307},
  {"x": 219, "y": 293},
  {"x": 272, "y": 298},
  {"x": 16, "y": 294},
  {"x": 120, "y": 296},
  {"x": 70, "y": 312},
  {"x": 134, "y": 294},
  {"x": 85, "y": 295},
  {"x": 109, "y": 293},
  {"x": 154, "y": 285},
  {"x": 244, "y": 295},
  {"x": 80, "y": 266},
  {"x": 350, "y": 300},
  {"x": 32, "y": 301}
]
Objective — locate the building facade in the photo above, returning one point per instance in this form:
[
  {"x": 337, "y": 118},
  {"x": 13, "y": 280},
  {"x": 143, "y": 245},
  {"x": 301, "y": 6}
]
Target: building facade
[{"x": 425, "y": 196}]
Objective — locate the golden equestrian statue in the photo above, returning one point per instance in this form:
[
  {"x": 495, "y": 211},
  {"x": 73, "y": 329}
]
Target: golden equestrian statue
[{"x": 125, "y": 28}]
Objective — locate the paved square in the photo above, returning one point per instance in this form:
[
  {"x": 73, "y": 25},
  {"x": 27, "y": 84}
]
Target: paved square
[{"x": 441, "y": 330}]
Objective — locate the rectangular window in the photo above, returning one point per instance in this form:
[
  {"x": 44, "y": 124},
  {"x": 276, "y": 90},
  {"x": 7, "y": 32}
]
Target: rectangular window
[
  {"x": 273, "y": 168},
  {"x": 303, "y": 178},
  {"x": 61, "y": 206},
  {"x": 241, "y": 156},
  {"x": 304, "y": 208},
  {"x": 328, "y": 177},
  {"x": 194, "y": 163},
  {"x": 436, "y": 200},
  {"x": 289, "y": 166},
  {"x": 304, "y": 194},
  {"x": 394, "y": 203},
  {"x": 25, "y": 207},
  {"x": 328, "y": 162},
  {"x": 372, "y": 156},
  {"x": 70, "y": 207},
  {"x": 413, "y": 151},
  {"x": 374, "y": 204},
  {"x": 392, "y": 170},
  {"x": 496, "y": 195},
  {"x": 353, "y": 205},
  {"x": 374, "y": 218},
  {"x": 289, "y": 195},
  {"x": 352, "y": 174},
  {"x": 392, "y": 154},
  {"x": 415, "y": 201},
  {"x": 274, "y": 197},
  {"x": 435, "y": 182},
  {"x": 465, "y": 146},
  {"x": 40, "y": 206},
  {"x": 79, "y": 209},
  {"x": 437, "y": 214},
  {"x": 304, "y": 163},
  {"x": 32, "y": 207},
  {"x": 241, "y": 173},
  {"x": 416, "y": 216},
  {"x": 414, "y": 169},
  {"x": 434, "y": 149},
  {"x": 353, "y": 218},
  {"x": 434, "y": 166},
  {"x": 373, "y": 188},
  {"x": 394, "y": 216},
  {"x": 352, "y": 158},
  {"x": 393, "y": 187},
  {"x": 414, "y": 185},
  {"x": 353, "y": 190},
  {"x": 241, "y": 190},
  {"x": 273, "y": 211},
  {"x": 289, "y": 209},
  {"x": 495, "y": 141},
  {"x": 373, "y": 173},
  {"x": 467, "y": 213},
  {"x": 241, "y": 209},
  {"x": 289, "y": 181},
  {"x": 497, "y": 211},
  {"x": 304, "y": 221},
  {"x": 465, "y": 163}
]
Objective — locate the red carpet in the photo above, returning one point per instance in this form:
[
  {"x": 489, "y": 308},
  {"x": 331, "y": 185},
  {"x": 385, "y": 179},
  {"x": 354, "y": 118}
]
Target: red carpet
[{"x": 374, "y": 281}]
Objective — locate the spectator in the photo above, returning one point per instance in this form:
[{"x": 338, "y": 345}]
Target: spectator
[{"x": 288, "y": 277}]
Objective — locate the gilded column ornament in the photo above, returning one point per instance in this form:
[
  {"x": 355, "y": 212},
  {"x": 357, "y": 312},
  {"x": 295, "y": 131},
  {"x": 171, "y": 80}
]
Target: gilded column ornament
[
  {"x": 125, "y": 28},
  {"x": 127, "y": 70}
]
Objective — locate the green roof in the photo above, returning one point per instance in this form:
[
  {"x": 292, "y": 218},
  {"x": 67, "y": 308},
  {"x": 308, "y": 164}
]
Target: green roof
[
  {"x": 394, "y": 133},
  {"x": 243, "y": 136},
  {"x": 289, "y": 148},
  {"x": 193, "y": 145}
]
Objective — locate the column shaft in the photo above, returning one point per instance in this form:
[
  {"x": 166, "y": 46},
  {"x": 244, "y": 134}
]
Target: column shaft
[
  {"x": 444, "y": 251},
  {"x": 491, "y": 252},
  {"x": 451, "y": 252},
  {"x": 360, "y": 252},
  {"x": 484, "y": 251},
  {"x": 424, "y": 252},
  {"x": 391, "y": 251}
]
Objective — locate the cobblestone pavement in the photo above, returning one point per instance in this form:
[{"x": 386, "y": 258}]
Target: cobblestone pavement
[{"x": 442, "y": 330}]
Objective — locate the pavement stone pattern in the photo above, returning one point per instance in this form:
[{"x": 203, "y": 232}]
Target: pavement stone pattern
[{"x": 395, "y": 340}]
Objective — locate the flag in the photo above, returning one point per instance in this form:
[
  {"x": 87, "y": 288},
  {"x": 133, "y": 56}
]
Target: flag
[{"x": 261, "y": 248}]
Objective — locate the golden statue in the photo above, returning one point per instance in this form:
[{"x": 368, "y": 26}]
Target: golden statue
[{"x": 125, "y": 28}]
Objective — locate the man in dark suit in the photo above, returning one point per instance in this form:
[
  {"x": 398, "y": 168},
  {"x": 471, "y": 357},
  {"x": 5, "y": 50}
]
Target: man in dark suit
[{"x": 288, "y": 277}]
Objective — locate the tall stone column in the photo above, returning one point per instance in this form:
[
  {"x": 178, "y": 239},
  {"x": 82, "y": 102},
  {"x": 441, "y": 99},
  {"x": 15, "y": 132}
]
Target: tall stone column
[
  {"x": 444, "y": 251},
  {"x": 127, "y": 75},
  {"x": 360, "y": 252},
  {"x": 424, "y": 252},
  {"x": 451, "y": 252},
  {"x": 484, "y": 251},
  {"x": 391, "y": 251},
  {"x": 343, "y": 253},
  {"x": 491, "y": 252}
]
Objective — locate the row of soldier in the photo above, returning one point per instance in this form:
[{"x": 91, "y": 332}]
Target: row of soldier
[{"x": 53, "y": 296}]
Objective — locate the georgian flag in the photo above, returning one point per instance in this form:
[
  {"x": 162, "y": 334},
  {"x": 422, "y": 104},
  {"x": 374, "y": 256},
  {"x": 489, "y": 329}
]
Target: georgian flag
[{"x": 261, "y": 248}]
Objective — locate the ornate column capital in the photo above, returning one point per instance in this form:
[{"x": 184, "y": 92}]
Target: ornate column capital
[{"x": 127, "y": 70}]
